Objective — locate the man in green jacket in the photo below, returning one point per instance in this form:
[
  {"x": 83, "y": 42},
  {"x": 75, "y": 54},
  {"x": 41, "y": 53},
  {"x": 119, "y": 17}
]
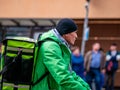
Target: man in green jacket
[{"x": 54, "y": 58}]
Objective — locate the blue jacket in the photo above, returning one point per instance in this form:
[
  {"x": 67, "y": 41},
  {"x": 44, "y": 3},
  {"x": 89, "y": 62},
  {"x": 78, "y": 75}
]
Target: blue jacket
[{"x": 78, "y": 65}]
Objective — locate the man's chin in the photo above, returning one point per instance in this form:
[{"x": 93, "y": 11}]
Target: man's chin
[{"x": 72, "y": 44}]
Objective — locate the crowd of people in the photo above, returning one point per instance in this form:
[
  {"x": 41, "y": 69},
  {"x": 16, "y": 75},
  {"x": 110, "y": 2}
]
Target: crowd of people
[{"x": 96, "y": 66}]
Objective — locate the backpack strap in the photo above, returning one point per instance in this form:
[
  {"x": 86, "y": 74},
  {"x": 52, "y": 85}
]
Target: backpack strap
[
  {"x": 6, "y": 67},
  {"x": 40, "y": 79},
  {"x": 44, "y": 75}
]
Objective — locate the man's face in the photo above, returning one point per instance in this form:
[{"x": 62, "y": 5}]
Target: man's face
[
  {"x": 76, "y": 52},
  {"x": 96, "y": 47},
  {"x": 113, "y": 48},
  {"x": 70, "y": 37}
]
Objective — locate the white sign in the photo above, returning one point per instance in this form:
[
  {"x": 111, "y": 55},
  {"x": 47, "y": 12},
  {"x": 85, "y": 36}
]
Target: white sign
[{"x": 86, "y": 34}]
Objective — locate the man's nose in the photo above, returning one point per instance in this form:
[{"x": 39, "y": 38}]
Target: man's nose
[{"x": 76, "y": 36}]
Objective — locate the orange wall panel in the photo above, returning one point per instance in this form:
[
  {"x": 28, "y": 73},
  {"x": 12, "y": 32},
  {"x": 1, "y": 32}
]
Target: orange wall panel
[{"x": 58, "y": 8}]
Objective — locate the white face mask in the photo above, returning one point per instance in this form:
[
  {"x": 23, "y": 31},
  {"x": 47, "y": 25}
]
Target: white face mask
[{"x": 113, "y": 53}]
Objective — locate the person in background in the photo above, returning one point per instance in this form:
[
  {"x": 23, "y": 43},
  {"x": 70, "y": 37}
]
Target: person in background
[
  {"x": 77, "y": 62},
  {"x": 112, "y": 58},
  {"x": 94, "y": 65}
]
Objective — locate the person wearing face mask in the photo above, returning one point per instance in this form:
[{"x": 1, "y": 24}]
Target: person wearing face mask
[{"x": 112, "y": 58}]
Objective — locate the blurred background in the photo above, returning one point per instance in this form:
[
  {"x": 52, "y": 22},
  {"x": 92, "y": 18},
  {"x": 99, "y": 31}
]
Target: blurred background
[{"x": 32, "y": 17}]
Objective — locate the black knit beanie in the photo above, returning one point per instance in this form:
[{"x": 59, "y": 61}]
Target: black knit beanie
[{"x": 66, "y": 26}]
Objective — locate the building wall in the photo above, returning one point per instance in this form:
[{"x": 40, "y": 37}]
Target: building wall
[
  {"x": 58, "y": 8},
  {"x": 105, "y": 34}
]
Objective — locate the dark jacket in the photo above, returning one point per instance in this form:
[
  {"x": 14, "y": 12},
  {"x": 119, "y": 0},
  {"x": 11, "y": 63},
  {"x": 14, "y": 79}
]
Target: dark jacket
[{"x": 112, "y": 60}]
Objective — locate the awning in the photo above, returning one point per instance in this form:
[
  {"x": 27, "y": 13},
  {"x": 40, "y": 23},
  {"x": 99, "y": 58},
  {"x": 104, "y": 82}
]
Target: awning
[{"x": 28, "y": 22}]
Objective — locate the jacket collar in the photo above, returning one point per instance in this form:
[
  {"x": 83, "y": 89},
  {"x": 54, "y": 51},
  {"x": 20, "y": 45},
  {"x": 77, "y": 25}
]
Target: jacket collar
[{"x": 62, "y": 40}]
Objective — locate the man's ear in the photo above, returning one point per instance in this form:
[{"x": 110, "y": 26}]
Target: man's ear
[{"x": 64, "y": 36}]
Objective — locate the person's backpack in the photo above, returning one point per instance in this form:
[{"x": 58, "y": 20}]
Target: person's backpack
[{"x": 17, "y": 63}]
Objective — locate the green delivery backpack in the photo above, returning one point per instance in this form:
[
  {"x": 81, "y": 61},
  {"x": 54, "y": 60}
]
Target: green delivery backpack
[{"x": 17, "y": 63}]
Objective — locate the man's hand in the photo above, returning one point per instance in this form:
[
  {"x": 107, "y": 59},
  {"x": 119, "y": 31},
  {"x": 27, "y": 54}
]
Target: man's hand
[
  {"x": 103, "y": 71},
  {"x": 85, "y": 73}
]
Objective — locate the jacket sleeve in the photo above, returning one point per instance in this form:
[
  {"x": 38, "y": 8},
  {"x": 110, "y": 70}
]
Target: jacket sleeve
[
  {"x": 57, "y": 67},
  {"x": 118, "y": 56},
  {"x": 86, "y": 60},
  {"x": 78, "y": 78}
]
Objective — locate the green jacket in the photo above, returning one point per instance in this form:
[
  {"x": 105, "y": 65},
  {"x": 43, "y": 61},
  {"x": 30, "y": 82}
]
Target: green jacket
[{"x": 54, "y": 57}]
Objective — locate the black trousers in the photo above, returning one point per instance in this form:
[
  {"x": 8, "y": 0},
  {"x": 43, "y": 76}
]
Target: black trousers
[{"x": 110, "y": 81}]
